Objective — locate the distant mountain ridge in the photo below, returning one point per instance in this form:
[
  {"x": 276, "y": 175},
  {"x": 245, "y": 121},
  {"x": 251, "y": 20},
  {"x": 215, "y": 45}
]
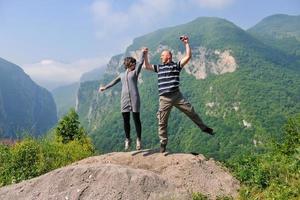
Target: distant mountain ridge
[
  {"x": 24, "y": 106},
  {"x": 279, "y": 31},
  {"x": 93, "y": 74},
  {"x": 278, "y": 26},
  {"x": 65, "y": 96}
]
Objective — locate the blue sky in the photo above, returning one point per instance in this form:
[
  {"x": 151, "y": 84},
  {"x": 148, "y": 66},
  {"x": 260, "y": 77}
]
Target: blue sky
[{"x": 55, "y": 39}]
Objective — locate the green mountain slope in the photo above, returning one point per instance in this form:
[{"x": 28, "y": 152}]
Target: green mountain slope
[
  {"x": 239, "y": 85},
  {"x": 24, "y": 106},
  {"x": 93, "y": 74},
  {"x": 279, "y": 31},
  {"x": 65, "y": 98}
]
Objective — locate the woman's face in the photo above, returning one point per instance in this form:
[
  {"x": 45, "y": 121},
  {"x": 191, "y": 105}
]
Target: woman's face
[{"x": 132, "y": 66}]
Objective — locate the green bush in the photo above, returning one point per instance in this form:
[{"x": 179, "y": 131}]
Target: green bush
[
  {"x": 32, "y": 157},
  {"x": 5, "y": 160},
  {"x": 25, "y": 161},
  {"x": 274, "y": 174},
  {"x": 57, "y": 154}
]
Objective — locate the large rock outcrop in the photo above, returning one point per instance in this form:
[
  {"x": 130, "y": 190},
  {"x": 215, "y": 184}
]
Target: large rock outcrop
[{"x": 129, "y": 175}]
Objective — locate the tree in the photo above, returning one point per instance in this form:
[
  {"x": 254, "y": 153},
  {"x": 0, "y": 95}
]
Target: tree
[
  {"x": 291, "y": 141},
  {"x": 68, "y": 128}
]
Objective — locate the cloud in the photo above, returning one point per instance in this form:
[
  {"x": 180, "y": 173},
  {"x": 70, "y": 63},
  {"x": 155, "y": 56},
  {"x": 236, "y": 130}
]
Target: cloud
[
  {"x": 109, "y": 20},
  {"x": 140, "y": 14},
  {"x": 51, "y": 73},
  {"x": 117, "y": 27},
  {"x": 213, "y": 4}
]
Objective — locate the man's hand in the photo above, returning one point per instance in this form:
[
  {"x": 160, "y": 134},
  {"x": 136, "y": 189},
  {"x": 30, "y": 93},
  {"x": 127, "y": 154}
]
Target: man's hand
[
  {"x": 188, "y": 51},
  {"x": 101, "y": 89},
  {"x": 184, "y": 39}
]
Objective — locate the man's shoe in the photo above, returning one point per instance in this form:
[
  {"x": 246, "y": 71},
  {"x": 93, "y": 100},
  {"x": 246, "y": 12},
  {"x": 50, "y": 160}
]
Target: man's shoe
[
  {"x": 127, "y": 144},
  {"x": 138, "y": 144},
  {"x": 162, "y": 148},
  {"x": 209, "y": 131}
]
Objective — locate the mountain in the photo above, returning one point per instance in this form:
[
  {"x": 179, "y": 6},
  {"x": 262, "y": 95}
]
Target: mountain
[
  {"x": 93, "y": 74},
  {"x": 242, "y": 87},
  {"x": 279, "y": 31},
  {"x": 24, "y": 106},
  {"x": 130, "y": 175},
  {"x": 65, "y": 98}
]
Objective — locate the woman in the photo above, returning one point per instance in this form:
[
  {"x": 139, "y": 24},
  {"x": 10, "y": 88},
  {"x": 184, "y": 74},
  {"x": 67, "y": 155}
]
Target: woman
[{"x": 130, "y": 98}]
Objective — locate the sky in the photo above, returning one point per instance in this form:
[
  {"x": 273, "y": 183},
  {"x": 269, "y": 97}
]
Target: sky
[{"x": 56, "y": 41}]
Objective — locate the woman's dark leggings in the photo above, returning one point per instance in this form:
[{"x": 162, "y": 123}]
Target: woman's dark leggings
[{"x": 137, "y": 122}]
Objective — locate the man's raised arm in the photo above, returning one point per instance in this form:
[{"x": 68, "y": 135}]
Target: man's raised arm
[{"x": 188, "y": 51}]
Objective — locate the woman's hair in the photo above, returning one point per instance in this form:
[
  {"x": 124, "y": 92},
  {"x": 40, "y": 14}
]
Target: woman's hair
[{"x": 128, "y": 61}]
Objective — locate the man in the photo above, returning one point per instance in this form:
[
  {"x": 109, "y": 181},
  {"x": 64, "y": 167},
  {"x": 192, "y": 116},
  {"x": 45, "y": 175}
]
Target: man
[{"x": 169, "y": 93}]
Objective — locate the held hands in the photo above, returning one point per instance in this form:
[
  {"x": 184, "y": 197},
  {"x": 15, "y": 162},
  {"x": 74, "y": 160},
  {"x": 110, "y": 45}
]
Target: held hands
[
  {"x": 145, "y": 50},
  {"x": 184, "y": 39},
  {"x": 101, "y": 89}
]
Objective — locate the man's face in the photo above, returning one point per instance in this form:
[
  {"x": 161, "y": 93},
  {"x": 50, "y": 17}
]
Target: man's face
[{"x": 165, "y": 57}]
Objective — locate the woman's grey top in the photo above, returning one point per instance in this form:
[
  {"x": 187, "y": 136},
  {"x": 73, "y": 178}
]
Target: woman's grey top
[{"x": 130, "y": 98}]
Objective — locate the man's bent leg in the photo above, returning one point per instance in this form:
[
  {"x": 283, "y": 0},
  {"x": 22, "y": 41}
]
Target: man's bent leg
[{"x": 183, "y": 105}]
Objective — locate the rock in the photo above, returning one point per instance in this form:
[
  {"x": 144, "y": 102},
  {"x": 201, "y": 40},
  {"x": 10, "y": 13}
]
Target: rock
[{"x": 143, "y": 174}]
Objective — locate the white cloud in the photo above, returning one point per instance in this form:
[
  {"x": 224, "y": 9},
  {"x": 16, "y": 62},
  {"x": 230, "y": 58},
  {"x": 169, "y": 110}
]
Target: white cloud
[
  {"x": 50, "y": 73},
  {"x": 107, "y": 19},
  {"x": 117, "y": 27},
  {"x": 213, "y": 4}
]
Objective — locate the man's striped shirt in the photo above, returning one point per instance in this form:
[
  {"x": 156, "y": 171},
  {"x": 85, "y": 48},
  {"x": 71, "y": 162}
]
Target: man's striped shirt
[{"x": 168, "y": 77}]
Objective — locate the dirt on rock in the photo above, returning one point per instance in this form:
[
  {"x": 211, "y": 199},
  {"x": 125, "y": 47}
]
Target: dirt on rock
[{"x": 135, "y": 175}]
